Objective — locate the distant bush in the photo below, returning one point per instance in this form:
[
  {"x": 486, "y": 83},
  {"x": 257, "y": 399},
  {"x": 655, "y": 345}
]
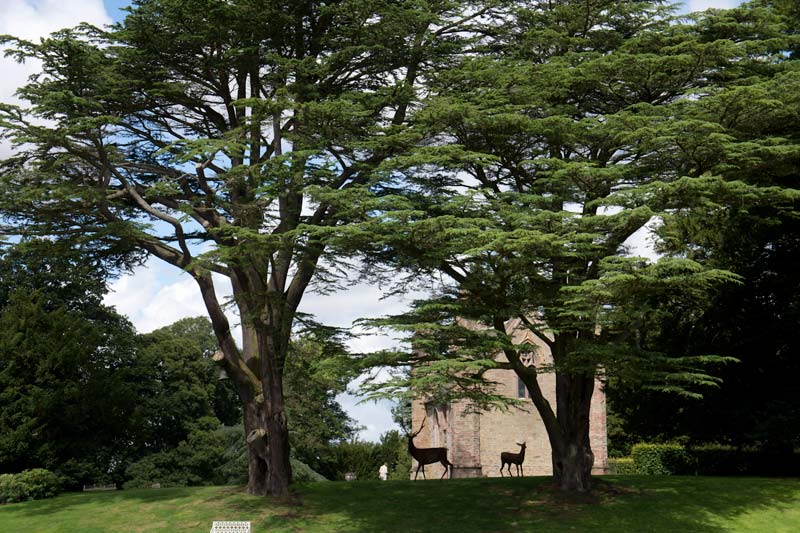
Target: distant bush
[
  {"x": 364, "y": 459},
  {"x": 621, "y": 466},
  {"x": 359, "y": 457},
  {"x": 75, "y": 473},
  {"x": 34, "y": 484},
  {"x": 662, "y": 459},
  {"x": 302, "y": 473},
  {"x": 705, "y": 460},
  {"x": 195, "y": 461},
  {"x": 212, "y": 455},
  {"x": 721, "y": 460}
]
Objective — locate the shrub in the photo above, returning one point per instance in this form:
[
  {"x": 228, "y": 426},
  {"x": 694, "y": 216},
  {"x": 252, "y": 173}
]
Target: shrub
[
  {"x": 302, "y": 473},
  {"x": 11, "y": 489},
  {"x": 75, "y": 473},
  {"x": 622, "y": 466},
  {"x": 233, "y": 469},
  {"x": 194, "y": 461},
  {"x": 210, "y": 456},
  {"x": 706, "y": 460},
  {"x": 40, "y": 483},
  {"x": 162, "y": 468},
  {"x": 721, "y": 460},
  {"x": 359, "y": 457},
  {"x": 662, "y": 459},
  {"x": 32, "y": 484}
]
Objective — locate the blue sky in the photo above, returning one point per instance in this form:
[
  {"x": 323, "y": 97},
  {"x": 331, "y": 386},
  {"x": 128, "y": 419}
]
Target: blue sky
[
  {"x": 113, "y": 6},
  {"x": 157, "y": 294}
]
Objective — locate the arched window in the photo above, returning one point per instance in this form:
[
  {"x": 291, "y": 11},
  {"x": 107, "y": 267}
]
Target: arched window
[
  {"x": 522, "y": 390},
  {"x": 438, "y": 414},
  {"x": 527, "y": 359}
]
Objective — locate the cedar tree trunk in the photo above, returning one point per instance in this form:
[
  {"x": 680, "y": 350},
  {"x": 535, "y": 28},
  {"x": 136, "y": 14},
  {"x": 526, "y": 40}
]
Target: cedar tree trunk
[
  {"x": 567, "y": 427},
  {"x": 572, "y": 457}
]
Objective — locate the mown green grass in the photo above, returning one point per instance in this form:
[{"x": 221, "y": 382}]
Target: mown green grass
[{"x": 620, "y": 504}]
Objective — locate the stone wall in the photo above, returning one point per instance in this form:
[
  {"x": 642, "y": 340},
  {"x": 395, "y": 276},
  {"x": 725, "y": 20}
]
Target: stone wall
[{"x": 475, "y": 441}]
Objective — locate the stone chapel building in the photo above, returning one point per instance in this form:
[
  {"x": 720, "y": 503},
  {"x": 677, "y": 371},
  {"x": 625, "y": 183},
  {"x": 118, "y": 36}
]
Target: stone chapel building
[{"x": 475, "y": 441}]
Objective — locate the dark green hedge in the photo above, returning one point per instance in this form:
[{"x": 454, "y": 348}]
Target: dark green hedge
[
  {"x": 662, "y": 459},
  {"x": 707, "y": 460},
  {"x": 32, "y": 484},
  {"x": 728, "y": 461}
]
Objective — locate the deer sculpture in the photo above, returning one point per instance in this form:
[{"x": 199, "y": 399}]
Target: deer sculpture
[
  {"x": 509, "y": 458},
  {"x": 427, "y": 456}
]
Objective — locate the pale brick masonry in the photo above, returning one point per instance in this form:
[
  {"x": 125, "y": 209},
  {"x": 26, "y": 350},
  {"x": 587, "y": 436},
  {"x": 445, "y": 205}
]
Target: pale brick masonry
[{"x": 475, "y": 441}]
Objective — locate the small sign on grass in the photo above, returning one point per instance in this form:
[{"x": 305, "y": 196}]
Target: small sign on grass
[{"x": 230, "y": 527}]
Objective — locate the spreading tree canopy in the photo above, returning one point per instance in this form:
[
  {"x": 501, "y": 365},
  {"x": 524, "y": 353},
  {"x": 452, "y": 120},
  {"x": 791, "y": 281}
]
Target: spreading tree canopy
[
  {"x": 584, "y": 125},
  {"x": 228, "y": 138},
  {"x": 758, "y": 127},
  {"x": 263, "y": 141}
]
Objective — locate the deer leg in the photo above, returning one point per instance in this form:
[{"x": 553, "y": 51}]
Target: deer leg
[
  {"x": 423, "y": 473},
  {"x": 521, "y": 471},
  {"x": 419, "y": 465},
  {"x": 501, "y": 470}
]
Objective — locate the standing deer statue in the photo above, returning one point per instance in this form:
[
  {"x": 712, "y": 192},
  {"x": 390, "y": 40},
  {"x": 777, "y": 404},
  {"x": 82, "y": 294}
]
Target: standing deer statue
[
  {"x": 508, "y": 458},
  {"x": 427, "y": 456}
]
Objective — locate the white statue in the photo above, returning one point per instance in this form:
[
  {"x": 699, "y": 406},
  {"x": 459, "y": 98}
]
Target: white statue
[{"x": 383, "y": 471}]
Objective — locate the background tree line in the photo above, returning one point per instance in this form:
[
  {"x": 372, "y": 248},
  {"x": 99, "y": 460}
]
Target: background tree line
[{"x": 87, "y": 397}]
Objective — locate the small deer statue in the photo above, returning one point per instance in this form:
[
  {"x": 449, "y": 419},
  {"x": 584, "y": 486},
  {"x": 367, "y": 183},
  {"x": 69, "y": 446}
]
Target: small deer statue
[
  {"x": 427, "y": 456},
  {"x": 508, "y": 458}
]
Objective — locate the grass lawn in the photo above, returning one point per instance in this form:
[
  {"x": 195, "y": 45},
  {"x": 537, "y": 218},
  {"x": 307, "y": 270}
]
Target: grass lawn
[{"x": 620, "y": 504}]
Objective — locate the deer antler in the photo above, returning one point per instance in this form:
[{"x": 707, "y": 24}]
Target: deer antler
[{"x": 420, "y": 428}]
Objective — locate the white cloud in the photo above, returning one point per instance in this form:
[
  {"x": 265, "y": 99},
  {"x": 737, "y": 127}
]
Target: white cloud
[
  {"x": 702, "y": 5},
  {"x": 31, "y": 20},
  {"x": 156, "y": 295},
  {"x": 375, "y": 417}
]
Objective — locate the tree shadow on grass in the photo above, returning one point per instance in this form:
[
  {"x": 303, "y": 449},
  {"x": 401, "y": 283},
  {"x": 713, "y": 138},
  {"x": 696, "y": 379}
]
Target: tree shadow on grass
[
  {"x": 623, "y": 503},
  {"x": 532, "y": 504},
  {"x": 78, "y": 499}
]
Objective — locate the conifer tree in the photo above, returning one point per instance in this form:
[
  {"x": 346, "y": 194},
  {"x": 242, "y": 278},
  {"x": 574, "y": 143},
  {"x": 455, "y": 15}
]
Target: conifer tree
[
  {"x": 243, "y": 129},
  {"x": 582, "y": 126}
]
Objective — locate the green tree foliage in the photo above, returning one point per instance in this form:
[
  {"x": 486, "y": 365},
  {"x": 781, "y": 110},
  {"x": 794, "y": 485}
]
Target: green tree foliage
[
  {"x": 65, "y": 397},
  {"x": 200, "y": 459},
  {"x": 401, "y": 414},
  {"x": 320, "y": 368},
  {"x": 179, "y": 383},
  {"x": 591, "y": 122},
  {"x": 86, "y": 397},
  {"x": 248, "y": 125},
  {"x": 753, "y": 321},
  {"x": 364, "y": 459},
  {"x": 82, "y": 394}
]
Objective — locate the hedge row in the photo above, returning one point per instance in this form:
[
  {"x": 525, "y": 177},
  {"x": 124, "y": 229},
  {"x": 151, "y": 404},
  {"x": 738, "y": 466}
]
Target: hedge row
[
  {"x": 28, "y": 485},
  {"x": 709, "y": 460}
]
